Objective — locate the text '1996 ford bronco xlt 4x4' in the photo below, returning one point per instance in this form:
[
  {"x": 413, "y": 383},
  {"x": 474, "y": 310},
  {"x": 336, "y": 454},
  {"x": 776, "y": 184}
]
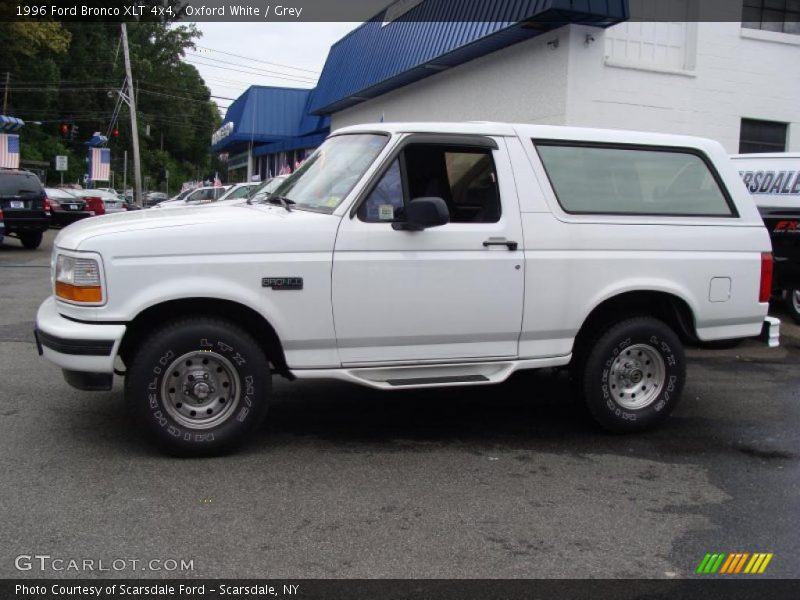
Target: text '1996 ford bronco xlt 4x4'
[{"x": 418, "y": 255}]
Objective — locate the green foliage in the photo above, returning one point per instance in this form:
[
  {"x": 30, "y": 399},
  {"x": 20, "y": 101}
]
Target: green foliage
[{"x": 71, "y": 72}]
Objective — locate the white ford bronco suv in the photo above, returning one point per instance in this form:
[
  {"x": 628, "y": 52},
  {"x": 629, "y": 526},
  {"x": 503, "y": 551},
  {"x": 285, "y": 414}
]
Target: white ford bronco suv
[{"x": 419, "y": 255}]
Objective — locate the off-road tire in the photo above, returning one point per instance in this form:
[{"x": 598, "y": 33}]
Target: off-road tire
[
  {"x": 628, "y": 358},
  {"x": 167, "y": 386}
]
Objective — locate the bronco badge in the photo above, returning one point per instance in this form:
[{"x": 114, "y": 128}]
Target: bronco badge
[{"x": 282, "y": 283}]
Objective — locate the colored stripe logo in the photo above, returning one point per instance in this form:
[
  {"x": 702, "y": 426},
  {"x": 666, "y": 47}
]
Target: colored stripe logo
[{"x": 735, "y": 563}]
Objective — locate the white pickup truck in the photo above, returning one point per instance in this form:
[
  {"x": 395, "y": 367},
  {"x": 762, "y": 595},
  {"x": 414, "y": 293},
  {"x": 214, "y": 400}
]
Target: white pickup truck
[{"x": 419, "y": 255}]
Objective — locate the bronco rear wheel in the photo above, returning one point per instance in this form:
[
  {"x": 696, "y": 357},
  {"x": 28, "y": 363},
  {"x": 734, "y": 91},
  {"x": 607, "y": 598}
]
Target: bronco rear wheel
[
  {"x": 634, "y": 374},
  {"x": 200, "y": 386}
]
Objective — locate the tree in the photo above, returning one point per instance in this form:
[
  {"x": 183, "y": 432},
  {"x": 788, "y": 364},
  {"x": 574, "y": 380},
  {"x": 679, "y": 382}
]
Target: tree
[{"x": 71, "y": 72}]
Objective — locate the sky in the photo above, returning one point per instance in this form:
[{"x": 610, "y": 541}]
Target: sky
[{"x": 278, "y": 54}]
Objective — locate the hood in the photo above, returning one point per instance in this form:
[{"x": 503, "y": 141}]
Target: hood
[{"x": 214, "y": 222}]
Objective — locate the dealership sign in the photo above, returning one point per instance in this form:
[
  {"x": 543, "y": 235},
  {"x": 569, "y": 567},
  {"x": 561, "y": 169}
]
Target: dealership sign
[{"x": 221, "y": 133}]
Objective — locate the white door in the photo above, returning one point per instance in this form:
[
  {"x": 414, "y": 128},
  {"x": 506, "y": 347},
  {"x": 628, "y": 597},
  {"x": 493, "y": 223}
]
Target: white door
[{"x": 450, "y": 292}]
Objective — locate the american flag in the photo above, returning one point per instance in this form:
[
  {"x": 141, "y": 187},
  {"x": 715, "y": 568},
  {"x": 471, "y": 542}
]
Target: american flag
[
  {"x": 99, "y": 164},
  {"x": 9, "y": 151}
]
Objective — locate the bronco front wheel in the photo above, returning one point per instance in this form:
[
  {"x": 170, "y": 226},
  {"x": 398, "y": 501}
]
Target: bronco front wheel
[{"x": 200, "y": 386}]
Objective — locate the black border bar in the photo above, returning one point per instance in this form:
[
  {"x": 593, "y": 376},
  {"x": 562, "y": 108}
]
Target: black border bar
[{"x": 722, "y": 588}]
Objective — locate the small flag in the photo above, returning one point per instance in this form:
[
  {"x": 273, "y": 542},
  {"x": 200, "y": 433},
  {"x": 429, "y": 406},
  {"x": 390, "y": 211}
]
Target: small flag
[
  {"x": 99, "y": 164},
  {"x": 9, "y": 151}
]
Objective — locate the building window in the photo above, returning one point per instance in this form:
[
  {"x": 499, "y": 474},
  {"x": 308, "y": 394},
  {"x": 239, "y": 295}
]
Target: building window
[
  {"x": 762, "y": 136},
  {"x": 772, "y": 15}
]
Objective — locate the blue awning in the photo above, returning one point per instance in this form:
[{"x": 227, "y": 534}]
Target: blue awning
[
  {"x": 266, "y": 114},
  {"x": 306, "y": 141},
  {"x": 438, "y": 34},
  {"x": 10, "y": 123}
]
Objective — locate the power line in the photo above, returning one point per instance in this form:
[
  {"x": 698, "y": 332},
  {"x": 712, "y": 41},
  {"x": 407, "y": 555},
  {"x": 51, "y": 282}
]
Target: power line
[
  {"x": 151, "y": 92},
  {"x": 245, "y": 72},
  {"x": 259, "y": 60},
  {"x": 266, "y": 71}
]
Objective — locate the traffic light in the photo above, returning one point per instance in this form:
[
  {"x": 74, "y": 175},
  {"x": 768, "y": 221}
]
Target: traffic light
[
  {"x": 115, "y": 134},
  {"x": 73, "y": 132},
  {"x": 64, "y": 130}
]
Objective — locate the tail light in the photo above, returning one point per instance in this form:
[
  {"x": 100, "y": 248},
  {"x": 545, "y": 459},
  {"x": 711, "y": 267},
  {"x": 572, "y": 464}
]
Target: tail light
[
  {"x": 1, "y": 214},
  {"x": 765, "y": 291},
  {"x": 95, "y": 205},
  {"x": 47, "y": 205}
]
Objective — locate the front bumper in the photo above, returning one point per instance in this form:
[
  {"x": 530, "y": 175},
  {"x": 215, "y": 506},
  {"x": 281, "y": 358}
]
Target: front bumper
[{"x": 76, "y": 346}]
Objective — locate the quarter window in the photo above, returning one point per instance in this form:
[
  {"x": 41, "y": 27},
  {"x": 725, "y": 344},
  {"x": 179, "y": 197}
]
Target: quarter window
[{"x": 632, "y": 181}]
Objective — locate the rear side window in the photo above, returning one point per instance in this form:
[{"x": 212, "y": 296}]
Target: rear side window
[{"x": 629, "y": 180}]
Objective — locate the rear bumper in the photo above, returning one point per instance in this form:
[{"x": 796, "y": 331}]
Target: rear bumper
[
  {"x": 74, "y": 346},
  {"x": 67, "y": 217},
  {"x": 771, "y": 332},
  {"x": 19, "y": 223}
]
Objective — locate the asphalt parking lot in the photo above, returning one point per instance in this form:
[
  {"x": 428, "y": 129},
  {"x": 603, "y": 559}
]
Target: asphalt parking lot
[{"x": 503, "y": 481}]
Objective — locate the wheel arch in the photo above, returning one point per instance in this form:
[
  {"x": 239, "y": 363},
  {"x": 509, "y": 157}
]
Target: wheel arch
[
  {"x": 667, "y": 306},
  {"x": 248, "y": 319}
]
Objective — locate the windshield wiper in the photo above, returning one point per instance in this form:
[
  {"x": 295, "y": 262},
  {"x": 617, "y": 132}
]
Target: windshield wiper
[{"x": 282, "y": 200}]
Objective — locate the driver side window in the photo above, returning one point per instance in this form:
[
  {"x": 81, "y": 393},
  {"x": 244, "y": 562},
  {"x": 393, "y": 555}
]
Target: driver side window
[
  {"x": 385, "y": 203},
  {"x": 464, "y": 177}
]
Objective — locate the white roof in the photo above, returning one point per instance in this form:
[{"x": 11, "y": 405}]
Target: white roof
[
  {"x": 769, "y": 155},
  {"x": 534, "y": 131}
]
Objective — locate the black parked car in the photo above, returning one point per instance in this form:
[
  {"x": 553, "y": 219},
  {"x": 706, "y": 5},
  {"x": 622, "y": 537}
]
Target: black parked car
[
  {"x": 66, "y": 207},
  {"x": 25, "y": 208}
]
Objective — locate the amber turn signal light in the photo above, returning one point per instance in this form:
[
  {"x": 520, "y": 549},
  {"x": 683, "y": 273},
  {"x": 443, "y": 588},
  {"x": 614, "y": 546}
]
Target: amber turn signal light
[{"x": 74, "y": 293}]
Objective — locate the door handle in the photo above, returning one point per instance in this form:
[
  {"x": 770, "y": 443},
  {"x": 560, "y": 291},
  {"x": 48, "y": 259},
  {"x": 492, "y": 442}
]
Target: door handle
[{"x": 500, "y": 242}]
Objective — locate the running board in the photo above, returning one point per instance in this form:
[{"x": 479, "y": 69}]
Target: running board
[
  {"x": 433, "y": 380},
  {"x": 431, "y": 375}
]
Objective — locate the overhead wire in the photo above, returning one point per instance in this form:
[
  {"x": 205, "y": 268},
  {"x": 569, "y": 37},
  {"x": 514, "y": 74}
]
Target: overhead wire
[{"x": 266, "y": 62}]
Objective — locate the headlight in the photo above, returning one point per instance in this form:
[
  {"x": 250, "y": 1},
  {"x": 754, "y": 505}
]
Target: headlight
[{"x": 78, "y": 279}]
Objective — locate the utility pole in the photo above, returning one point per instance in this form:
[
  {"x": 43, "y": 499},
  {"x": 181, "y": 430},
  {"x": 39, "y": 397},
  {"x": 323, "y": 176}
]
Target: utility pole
[
  {"x": 5, "y": 93},
  {"x": 137, "y": 167},
  {"x": 125, "y": 175}
]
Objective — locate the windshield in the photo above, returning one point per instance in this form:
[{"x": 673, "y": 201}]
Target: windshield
[
  {"x": 328, "y": 175},
  {"x": 265, "y": 189},
  {"x": 240, "y": 192}
]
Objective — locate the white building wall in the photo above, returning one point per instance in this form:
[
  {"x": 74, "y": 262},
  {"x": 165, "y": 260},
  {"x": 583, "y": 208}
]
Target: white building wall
[
  {"x": 724, "y": 73},
  {"x": 683, "y": 78},
  {"x": 523, "y": 83}
]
